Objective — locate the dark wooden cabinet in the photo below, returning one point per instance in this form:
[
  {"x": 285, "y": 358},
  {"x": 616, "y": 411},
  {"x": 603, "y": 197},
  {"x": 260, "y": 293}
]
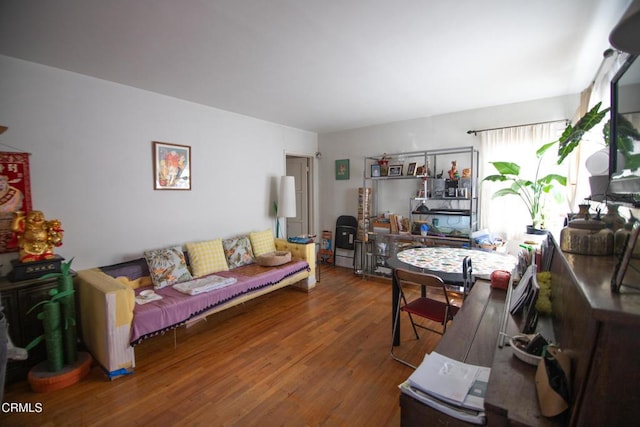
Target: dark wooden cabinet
[{"x": 17, "y": 299}]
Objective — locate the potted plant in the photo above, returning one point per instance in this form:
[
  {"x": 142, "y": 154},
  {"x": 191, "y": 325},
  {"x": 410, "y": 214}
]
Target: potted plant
[{"x": 533, "y": 192}]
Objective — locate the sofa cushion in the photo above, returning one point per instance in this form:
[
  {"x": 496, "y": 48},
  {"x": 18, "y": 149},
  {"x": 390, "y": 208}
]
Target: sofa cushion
[
  {"x": 132, "y": 270},
  {"x": 262, "y": 242},
  {"x": 134, "y": 273},
  {"x": 167, "y": 266},
  {"x": 238, "y": 251},
  {"x": 206, "y": 257}
]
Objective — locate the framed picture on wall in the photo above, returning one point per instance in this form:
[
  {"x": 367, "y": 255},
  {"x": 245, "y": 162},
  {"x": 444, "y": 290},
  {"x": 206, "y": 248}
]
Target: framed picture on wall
[
  {"x": 411, "y": 170},
  {"x": 342, "y": 169},
  {"x": 375, "y": 171},
  {"x": 171, "y": 166}
]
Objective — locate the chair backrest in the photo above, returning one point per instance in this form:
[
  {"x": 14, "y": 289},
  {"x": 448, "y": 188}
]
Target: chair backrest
[
  {"x": 467, "y": 275},
  {"x": 347, "y": 220},
  {"x": 414, "y": 278},
  {"x": 346, "y": 228}
]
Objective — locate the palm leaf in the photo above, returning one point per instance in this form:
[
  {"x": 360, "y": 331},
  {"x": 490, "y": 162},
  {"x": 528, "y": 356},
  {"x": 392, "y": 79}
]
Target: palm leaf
[
  {"x": 544, "y": 148},
  {"x": 507, "y": 168},
  {"x": 506, "y": 192},
  {"x": 572, "y": 135},
  {"x": 562, "y": 180},
  {"x": 496, "y": 178}
]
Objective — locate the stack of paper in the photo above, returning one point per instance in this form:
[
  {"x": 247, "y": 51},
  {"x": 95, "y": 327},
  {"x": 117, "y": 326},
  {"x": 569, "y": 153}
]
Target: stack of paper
[{"x": 450, "y": 386}]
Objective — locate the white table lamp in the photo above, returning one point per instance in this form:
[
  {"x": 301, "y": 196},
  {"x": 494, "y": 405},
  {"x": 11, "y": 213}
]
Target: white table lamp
[{"x": 287, "y": 197}]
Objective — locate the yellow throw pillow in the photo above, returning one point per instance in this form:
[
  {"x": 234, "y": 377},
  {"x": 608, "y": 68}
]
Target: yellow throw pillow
[
  {"x": 262, "y": 242},
  {"x": 206, "y": 257}
]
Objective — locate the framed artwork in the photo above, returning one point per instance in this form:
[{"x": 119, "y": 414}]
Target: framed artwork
[
  {"x": 15, "y": 194},
  {"x": 342, "y": 169},
  {"x": 411, "y": 170},
  {"x": 395, "y": 170},
  {"x": 420, "y": 171},
  {"x": 171, "y": 166},
  {"x": 625, "y": 260},
  {"x": 375, "y": 171}
]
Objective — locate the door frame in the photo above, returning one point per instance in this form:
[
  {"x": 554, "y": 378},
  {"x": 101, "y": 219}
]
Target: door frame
[{"x": 311, "y": 186}]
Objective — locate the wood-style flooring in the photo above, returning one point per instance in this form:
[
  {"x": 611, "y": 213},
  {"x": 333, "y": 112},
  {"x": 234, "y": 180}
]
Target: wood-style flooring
[{"x": 289, "y": 358}]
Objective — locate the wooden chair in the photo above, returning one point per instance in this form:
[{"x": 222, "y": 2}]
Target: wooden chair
[{"x": 433, "y": 304}]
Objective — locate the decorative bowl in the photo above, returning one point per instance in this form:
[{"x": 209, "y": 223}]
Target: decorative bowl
[{"x": 518, "y": 343}]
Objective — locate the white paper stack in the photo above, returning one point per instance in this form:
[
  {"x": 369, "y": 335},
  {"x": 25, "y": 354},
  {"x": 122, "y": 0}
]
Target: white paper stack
[{"x": 450, "y": 386}]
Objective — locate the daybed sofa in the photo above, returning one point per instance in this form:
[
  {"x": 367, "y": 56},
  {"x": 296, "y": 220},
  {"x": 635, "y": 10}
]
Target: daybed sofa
[{"x": 114, "y": 316}]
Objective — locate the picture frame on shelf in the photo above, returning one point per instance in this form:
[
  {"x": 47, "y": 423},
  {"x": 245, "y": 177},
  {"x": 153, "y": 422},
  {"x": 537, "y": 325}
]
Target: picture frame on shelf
[
  {"x": 624, "y": 260},
  {"x": 375, "y": 171},
  {"x": 395, "y": 170},
  {"x": 171, "y": 166},
  {"x": 411, "y": 170},
  {"x": 420, "y": 170}
]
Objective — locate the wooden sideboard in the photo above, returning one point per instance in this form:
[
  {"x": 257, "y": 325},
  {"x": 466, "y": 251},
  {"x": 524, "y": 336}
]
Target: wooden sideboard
[{"x": 599, "y": 330}]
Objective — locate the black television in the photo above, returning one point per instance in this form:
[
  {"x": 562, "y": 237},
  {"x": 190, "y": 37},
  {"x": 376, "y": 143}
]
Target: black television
[{"x": 624, "y": 132}]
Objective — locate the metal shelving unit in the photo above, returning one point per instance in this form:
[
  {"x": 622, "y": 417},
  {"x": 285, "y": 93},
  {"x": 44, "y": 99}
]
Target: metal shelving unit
[{"x": 448, "y": 207}]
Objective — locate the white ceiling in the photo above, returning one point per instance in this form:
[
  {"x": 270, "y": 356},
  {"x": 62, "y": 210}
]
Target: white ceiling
[{"x": 322, "y": 65}]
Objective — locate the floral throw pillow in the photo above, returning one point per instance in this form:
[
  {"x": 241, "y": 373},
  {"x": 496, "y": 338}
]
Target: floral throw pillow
[
  {"x": 167, "y": 266},
  {"x": 238, "y": 251}
]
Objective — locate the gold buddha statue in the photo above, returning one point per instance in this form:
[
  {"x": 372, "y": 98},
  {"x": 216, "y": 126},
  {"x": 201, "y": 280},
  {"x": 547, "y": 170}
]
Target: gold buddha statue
[{"x": 35, "y": 236}]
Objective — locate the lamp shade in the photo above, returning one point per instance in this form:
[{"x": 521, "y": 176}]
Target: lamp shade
[
  {"x": 287, "y": 197},
  {"x": 626, "y": 35}
]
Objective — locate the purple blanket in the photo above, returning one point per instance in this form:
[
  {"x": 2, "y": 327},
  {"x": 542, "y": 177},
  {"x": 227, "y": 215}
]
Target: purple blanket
[{"x": 175, "y": 308}]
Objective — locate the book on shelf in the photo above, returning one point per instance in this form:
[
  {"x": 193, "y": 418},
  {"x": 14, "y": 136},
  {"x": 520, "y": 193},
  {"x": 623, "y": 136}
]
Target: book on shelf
[{"x": 524, "y": 291}]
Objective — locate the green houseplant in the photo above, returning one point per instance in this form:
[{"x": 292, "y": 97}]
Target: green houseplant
[
  {"x": 625, "y": 138},
  {"x": 533, "y": 192}
]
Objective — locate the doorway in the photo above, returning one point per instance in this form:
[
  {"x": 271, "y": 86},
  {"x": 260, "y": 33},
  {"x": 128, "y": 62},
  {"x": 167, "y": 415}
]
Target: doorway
[{"x": 301, "y": 168}]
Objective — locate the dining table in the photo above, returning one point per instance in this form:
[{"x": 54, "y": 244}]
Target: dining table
[{"x": 446, "y": 263}]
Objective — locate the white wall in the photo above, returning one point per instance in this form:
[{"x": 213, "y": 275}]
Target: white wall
[
  {"x": 91, "y": 163},
  {"x": 445, "y": 131}
]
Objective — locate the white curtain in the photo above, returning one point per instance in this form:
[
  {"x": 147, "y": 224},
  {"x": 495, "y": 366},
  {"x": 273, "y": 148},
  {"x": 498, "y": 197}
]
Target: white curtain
[{"x": 507, "y": 216}]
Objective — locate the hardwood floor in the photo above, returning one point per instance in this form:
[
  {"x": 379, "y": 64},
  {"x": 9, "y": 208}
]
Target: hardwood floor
[{"x": 288, "y": 358}]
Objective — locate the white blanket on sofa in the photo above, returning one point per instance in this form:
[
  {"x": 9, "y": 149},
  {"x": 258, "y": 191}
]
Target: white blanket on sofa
[{"x": 204, "y": 284}]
